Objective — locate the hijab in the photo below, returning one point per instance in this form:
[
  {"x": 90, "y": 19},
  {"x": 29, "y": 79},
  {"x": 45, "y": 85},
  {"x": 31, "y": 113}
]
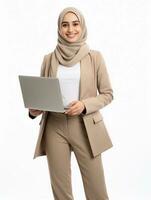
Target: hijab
[{"x": 69, "y": 53}]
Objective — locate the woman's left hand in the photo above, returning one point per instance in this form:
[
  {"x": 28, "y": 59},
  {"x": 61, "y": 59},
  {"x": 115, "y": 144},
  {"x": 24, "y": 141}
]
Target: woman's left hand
[{"x": 75, "y": 108}]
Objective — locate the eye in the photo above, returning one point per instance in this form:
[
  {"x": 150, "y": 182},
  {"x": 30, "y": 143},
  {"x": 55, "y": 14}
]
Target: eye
[
  {"x": 64, "y": 25},
  {"x": 75, "y": 24}
]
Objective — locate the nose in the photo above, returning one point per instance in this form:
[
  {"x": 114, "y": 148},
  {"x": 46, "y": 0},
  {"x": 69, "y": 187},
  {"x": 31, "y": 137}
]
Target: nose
[{"x": 70, "y": 28}]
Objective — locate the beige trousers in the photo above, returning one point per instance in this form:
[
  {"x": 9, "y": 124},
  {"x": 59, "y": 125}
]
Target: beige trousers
[{"x": 62, "y": 135}]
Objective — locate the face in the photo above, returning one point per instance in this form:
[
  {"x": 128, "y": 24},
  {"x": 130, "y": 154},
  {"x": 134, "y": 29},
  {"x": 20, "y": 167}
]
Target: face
[{"x": 70, "y": 27}]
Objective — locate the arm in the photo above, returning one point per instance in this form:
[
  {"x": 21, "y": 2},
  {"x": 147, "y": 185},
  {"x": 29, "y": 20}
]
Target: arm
[{"x": 105, "y": 96}]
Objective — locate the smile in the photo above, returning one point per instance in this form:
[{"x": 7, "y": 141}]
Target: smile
[{"x": 71, "y": 36}]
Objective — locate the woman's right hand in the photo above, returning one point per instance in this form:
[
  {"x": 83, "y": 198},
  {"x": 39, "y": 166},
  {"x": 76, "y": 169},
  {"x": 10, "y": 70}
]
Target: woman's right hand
[{"x": 34, "y": 112}]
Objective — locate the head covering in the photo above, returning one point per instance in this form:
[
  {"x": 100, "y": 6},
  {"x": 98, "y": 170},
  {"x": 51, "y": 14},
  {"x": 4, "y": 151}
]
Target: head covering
[{"x": 69, "y": 53}]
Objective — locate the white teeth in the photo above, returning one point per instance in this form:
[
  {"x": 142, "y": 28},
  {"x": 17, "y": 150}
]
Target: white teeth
[{"x": 71, "y": 36}]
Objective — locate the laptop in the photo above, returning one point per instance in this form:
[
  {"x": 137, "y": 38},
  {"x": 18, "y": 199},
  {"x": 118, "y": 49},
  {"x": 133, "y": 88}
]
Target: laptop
[{"x": 41, "y": 93}]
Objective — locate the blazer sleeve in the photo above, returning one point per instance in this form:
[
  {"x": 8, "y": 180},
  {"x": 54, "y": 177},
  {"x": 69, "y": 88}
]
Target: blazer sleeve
[
  {"x": 104, "y": 88},
  {"x": 42, "y": 71}
]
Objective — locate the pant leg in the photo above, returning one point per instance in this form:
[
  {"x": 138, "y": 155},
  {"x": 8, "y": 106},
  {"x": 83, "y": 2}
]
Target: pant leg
[
  {"x": 58, "y": 153},
  {"x": 91, "y": 168},
  {"x": 93, "y": 178}
]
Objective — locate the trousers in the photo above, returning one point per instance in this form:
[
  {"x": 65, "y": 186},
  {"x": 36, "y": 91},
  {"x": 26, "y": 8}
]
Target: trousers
[{"x": 64, "y": 134}]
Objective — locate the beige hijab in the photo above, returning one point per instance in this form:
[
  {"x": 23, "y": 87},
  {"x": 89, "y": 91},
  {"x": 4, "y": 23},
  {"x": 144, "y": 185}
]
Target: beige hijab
[{"x": 68, "y": 53}]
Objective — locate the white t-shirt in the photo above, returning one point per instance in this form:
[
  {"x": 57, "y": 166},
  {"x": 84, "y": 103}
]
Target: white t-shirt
[{"x": 69, "y": 79}]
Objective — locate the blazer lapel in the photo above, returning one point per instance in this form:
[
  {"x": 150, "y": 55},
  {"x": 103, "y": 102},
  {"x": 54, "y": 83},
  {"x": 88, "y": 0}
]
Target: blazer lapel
[{"x": 87, "y": 80}]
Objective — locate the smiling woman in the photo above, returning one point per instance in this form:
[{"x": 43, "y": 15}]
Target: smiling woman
[
  {"x": 82, "y": 75},
  {"x": 70, "y": 27}
]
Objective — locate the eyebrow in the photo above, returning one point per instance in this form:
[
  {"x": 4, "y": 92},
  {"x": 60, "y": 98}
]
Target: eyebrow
[{"x": 72, "y": 21}]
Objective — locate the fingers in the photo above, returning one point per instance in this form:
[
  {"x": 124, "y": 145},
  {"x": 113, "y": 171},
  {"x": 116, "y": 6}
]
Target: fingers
[
  {"x": 72, "y": 112},
  {"x": 35, "y": 112},
  {"x": 72, "y": 103},
  {"x": 76, "y": 108},
  {"x": 72, "y": 109}
]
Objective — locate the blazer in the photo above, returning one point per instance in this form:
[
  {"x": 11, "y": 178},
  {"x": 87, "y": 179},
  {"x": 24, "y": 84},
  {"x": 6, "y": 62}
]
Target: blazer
[{"x": 95, "y": 92}]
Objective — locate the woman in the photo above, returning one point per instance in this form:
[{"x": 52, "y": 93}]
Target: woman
[{"x": 81, "y": 73}]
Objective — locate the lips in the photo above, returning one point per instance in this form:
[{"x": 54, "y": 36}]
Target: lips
[{"x": 71, "y": 36}]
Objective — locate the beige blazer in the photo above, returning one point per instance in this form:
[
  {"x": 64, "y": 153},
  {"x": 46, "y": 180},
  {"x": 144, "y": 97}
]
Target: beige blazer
[{"x": 95, "y": 92}]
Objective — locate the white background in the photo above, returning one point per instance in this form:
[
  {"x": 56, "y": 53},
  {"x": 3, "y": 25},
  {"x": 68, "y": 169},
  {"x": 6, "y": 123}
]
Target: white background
[{"x": 121, "y": 31}]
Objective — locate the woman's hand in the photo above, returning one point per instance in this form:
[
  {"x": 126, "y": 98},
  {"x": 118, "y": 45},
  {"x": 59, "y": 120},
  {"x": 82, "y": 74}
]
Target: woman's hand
[
  {"x": 75, "y": 108},
  {"x": 34, "y": 112}
]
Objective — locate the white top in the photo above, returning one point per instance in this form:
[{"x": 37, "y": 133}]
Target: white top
[{"x": 69, "y": 79}]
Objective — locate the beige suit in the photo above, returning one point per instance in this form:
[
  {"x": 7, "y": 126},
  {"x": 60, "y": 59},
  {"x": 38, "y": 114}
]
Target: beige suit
[
  {"x": 94, "y": 76},
  {"x": 85, "y": 134}
]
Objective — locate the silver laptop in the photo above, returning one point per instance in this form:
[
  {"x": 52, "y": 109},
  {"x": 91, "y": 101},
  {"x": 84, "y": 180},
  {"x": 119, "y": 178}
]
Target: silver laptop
[{"x": 41, "y": 93}]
